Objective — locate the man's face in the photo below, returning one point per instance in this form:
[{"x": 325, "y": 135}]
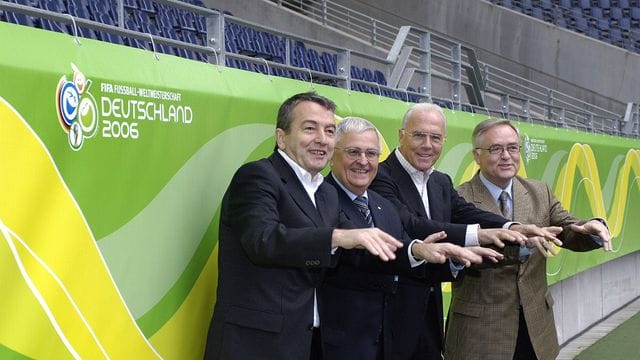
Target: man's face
[
  {"x": 500, "y": 167},
  {"x": 422, "y": 139},
  {"x": 309, "y": 141},
  {"x": 355, "y": 162}
]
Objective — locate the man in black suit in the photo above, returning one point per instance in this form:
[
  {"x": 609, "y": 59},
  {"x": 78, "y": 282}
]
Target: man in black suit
[
  {"x": 355, "y": 295},
  {"x": 278, "y": 232},
  {"x": 428, "y": 203}
]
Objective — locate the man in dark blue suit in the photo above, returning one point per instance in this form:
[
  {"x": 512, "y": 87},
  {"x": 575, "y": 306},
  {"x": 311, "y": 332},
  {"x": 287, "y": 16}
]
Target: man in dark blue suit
[
  {"x": 278, "y": 233},
  {"x": 356, "y": 294},
  {"x": 428, "y": 203}
]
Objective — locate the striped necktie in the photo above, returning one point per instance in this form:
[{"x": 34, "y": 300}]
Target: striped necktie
[
  {"x": 361, "y": 203},
  {"x": 504, "y": 205}
]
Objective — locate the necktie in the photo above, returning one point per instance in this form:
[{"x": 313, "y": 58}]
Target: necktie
[
  {"x": 508, "y": 214},
  {"x": 361, "y": 203},
  {"x": 504, "y": 205}
]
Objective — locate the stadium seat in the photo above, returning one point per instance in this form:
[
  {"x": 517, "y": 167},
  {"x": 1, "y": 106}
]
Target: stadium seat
[
  {"x": 147, "y": 6},
  {"x": 379, "y": 77}
]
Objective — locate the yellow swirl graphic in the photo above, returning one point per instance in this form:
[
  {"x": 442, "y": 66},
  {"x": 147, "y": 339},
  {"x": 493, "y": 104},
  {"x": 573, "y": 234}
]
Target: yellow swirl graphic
[
  {"x": 581, "y": 158},
  {"x": 50, "y": 255}
]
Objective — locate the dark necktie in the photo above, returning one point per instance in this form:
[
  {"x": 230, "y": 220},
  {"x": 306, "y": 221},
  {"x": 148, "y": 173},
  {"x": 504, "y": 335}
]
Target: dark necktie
[
  {"x": 504, "y": 205},
  {"x": 361, "y": 203}
]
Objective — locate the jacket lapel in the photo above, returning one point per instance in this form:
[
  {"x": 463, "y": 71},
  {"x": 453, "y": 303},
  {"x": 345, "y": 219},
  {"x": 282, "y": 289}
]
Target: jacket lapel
[
  {"x": 354, "y": 216},
  {"x": 407, "y": 188},
  {"x": 296, "y": 190},
  {"x": 482, "y": 197}
]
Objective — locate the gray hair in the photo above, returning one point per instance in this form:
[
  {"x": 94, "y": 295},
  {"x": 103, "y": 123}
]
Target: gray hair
[
  {"x": 426, "y": 107},
  {"x": 490, "y": 123},
  {"x": 357, "y": 125}
]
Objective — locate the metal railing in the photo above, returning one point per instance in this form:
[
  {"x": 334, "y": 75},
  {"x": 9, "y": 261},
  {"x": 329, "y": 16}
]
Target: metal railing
[
  {"x": 503, "y": 93},
  {"x": 417, "y": 61}
]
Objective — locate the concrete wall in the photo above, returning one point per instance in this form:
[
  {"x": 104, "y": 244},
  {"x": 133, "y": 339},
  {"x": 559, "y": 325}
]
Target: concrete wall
[
  {"x": 585, "y": 298},
  {"x": 590, "y": 70}
]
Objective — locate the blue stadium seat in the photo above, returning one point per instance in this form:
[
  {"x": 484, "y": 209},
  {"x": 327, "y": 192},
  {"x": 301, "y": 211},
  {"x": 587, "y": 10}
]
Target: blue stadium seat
[
  {"x": 597, "y": 13},
  {"x": 313, "y": 60},
  {"x": 379, "y": 77},
  {"x": 616, "y": 14},
  {"x": 581, "y": 25},
  {"x": 147, "y": 6},
  {"x": 329, "y": 63},
  {"x": 584, "y": 4},
  {"x": 565, "y": 4},
  {"x": 625, "y": 24},
  {"x": 130, "y": 4},
  {"x": 604, "y": 4}
]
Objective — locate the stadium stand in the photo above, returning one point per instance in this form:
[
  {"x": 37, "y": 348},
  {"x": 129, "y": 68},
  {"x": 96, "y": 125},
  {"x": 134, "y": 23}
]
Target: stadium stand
[
  {"x": 418, "y": 62},
  {"x": 613, "y": 21}
]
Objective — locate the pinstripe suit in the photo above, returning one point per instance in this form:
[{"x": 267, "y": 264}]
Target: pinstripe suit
[{"x": 484, "y": 312}]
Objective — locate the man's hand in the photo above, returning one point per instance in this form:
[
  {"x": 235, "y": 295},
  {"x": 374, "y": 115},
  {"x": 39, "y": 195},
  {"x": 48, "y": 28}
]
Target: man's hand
[
  {"x": 484, "y": 252},
  {"x": 374, "y": 240},
  {"x": 437, "y": 253},
  {"x": 549, "y": 233},
  {"x": 498, "y": 236},
  {"x": 543, "y": 244},
  {"x": 595, "y": 227}
]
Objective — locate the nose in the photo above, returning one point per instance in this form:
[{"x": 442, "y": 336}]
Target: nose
[
  {"x": 321, "y": 137},
  {"x": 505, "y": 153}
]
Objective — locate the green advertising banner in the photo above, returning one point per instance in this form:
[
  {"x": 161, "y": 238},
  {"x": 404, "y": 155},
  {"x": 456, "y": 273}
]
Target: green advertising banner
[{"x": 113, "y": 164}]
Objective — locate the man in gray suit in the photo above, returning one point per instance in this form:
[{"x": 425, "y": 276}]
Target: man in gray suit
[{"x": 505, "y": 311}]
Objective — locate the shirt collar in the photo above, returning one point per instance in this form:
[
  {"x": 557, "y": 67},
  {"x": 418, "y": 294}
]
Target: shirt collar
[
  {"x": 351, "y": 195},
  {"x": 494, "y": 189},
  {"x": 413, "y": 172},
  {"x": 303, "y": 175}
]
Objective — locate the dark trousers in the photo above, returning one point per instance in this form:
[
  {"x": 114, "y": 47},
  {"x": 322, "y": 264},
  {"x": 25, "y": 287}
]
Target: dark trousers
[
  {"x": 524, "y": 348},
  {"x": 316, "y": 345}
]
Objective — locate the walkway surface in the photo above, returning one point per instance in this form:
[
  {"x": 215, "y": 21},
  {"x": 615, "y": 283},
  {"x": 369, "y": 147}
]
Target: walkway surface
[{"x": 617, "y": 337}]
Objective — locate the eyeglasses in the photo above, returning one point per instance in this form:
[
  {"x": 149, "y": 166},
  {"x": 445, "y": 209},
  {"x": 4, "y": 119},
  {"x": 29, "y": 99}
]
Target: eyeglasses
[
  {"x": 499, "y": 149},
  {"x": 420, "y": 137},
  {"x": 355, "y": 153}
]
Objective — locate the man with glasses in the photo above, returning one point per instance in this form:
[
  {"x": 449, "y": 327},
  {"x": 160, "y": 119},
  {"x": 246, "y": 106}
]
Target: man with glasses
[
  {"x": 428, "y": 203},
  {"x": 504, "y": 311},
  {"x": 355, "y": 296}
]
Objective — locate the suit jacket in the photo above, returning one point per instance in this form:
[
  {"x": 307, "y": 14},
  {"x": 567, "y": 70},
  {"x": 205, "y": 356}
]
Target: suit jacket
[
  {"x": 484, "y": 313},
  {"x": 355, "y": 295},
  {"x": 273, "y": 246},
  {"x": 449, "y": 212}
]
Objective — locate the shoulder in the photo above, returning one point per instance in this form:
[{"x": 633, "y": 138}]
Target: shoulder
[{"x": 533, "y": 185}]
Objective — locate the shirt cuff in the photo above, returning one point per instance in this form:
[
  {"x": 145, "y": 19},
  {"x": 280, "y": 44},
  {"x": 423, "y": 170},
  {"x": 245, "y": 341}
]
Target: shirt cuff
[
  {"x": 412, "y": 260},
  {"x": 455, "y": 268},
  {"x": 471, "y": 237},
  {"x": 508, "y": 224}
]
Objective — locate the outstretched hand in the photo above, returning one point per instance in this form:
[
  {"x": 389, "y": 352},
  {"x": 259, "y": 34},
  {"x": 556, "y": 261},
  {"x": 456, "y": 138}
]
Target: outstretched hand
[
  {"x": 497, "y": 237},
  {"x": 595, "y": 227},
  {"x": 374, "y": 240}
]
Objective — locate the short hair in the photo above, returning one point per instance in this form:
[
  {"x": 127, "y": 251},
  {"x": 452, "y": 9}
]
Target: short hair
[
  {"x": 490, "y": 123},
  {"x": 427, "y": 107},
  {"x": 357, "y": 125},
  {"x": 284, "y": 113}
]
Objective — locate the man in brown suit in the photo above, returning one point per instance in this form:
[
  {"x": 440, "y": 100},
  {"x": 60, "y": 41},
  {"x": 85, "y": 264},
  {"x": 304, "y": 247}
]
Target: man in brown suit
[{"x": 505, "y": 311}]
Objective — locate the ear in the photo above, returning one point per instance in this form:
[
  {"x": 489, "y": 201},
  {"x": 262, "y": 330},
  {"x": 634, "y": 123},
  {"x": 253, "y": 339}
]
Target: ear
[
  {"x": 280, "y": 139},
  {"x": 476, "y": 155},
  {"x": 400, "y": 135}
]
